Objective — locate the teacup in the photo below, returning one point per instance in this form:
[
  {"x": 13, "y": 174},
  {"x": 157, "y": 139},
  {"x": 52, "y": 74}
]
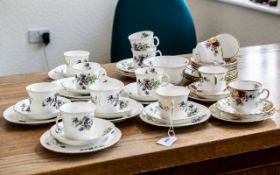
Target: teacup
[
  {"x": 42, "y": 97},
  {"x": 87, "y": 73},
  {"x": 141, "y": 41},
  {"x": 246, "y": 95},
  {"x": 75, "y": 57},
  {"x": 213, "y": 78},
  {"x": 105, "y": 94},
  {"x": 77, "y": 118},
  {"x": 140, "y": 56},
  {"x": 173, "y": 66},
  {"x": 149, "y": 79},
  {"x": 173, "y": 102}
]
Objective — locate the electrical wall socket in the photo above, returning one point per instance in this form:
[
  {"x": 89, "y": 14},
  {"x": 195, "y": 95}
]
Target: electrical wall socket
[{"x": 35, "y": 34}]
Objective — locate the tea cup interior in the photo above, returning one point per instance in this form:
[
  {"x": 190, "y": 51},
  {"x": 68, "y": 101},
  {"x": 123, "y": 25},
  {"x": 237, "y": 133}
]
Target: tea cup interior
[
  {"x": 166, "y": 61},
  {"x": 107, "y": 84},
  {"x": 76, "y": 53},
  {"x": 77, "y": 107},
  {"x": 140, "y": 35},
  {"x": 86, "y": 66},
  {"x": 42, "y": 87},
  {"x": 172, "y": 91},
  {"x": 212, "y": 69},
  {"x": 245, "y": 85}
]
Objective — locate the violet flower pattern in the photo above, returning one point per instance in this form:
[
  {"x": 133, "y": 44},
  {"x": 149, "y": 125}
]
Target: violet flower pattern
[
  {"x": 25, "y": 108},
  {"x": 113, "y": 99},
  {"x": 81, "y": 61},
  {"x": 53, "y": 102},
  {"x": 183, "y": 105},
  {"x": 147, "y": 85},
  {"x": 85, "y": 123},
  {"x": 139, "y": 59},
  {"x": 85, "y": 79},
  {"x": 162, "y": 107},
  {"x": 140, "y": 46}
]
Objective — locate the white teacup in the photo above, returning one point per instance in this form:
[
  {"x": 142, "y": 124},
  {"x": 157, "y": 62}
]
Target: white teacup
[
  {"x": 143, "y": 40},
  {"x": 105, "y": 94},
  {"x": 173, "y": 102},
  {"x": 77, "y": 118},
  {"x": 149, "y": 79},
  {"x": 212, "y": 78},
  {"x": 87, "y": 73},
  {"x": 246, "y": 95},
  {"x": 75, "y": 57},
  {"x": 42, "y": 97},
  {"x": 140, "y": 56}
]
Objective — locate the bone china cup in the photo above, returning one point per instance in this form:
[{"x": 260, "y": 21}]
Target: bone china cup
[
  {"x": 87, "y": 73},
  {"x": 42, "y": 97},
  {"x": 173, "y": 66},
  {"x": 140, "y": 56},
  {"x": 246, "y": 96},
  {"x": 212, "y": 78},
  {"x": 105, "y": 94},
  {"x": 77, "y": 120},
  {"x": 149, "y": 79},
  {"x": 74, "y": 57},
  {"x": 173, "y": 97},
  {"x": 141, "y": 41}
]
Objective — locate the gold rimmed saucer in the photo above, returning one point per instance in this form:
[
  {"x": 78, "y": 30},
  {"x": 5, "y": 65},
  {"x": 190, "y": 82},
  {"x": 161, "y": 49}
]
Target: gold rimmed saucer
[{"x": 195, "y": 89}]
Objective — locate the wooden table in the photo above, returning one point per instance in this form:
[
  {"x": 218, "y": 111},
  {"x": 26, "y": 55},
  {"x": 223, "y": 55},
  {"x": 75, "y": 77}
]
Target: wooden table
[{"x": 209, "y": 148}]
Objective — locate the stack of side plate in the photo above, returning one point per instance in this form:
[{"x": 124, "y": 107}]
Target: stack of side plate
[{"x": 126, "y": 68}]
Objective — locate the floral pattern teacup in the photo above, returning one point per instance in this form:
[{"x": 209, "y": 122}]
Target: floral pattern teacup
[
  {"x": 77, "y": 120},
  {"x": 75, "y": 57},
  {"x": 140, "y": 56},
  {"x": 42, "y": 97},
  {"x": 149, "y": 79},
  {"x": 246, "y": 95},
  {"x": 106, "y": 95},
  {"x": 87, "y": 73},
  {"x": 173, "y": 102},
  {"x": 141, "y": 41},
  {"x": 212, "y": 79}
]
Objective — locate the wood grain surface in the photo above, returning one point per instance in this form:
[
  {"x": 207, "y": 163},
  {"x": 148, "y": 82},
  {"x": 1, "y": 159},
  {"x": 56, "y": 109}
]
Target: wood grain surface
[{"x": 137, "y": 151}]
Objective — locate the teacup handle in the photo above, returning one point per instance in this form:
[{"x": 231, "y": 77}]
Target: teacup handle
[
  {"x": 57, "y": 120},
  {"x": 156, "y": 40},
  {"x": 159, "y": 53},
  {"x": 165, "y": 79},
  {"x": 267, "y": 94},
  {"x": 102, "y": 72},
  {"x": 96, "y": 100}
]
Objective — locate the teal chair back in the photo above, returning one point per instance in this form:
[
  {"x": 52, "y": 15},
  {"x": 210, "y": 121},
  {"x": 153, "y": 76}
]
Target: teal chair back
[{"x": 170, "y": 20}]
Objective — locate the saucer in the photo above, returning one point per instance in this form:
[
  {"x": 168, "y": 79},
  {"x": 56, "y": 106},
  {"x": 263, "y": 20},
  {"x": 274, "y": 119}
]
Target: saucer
[
  {"x": 195, "y": 89},
  {"x": 224, "y": 105},
  {"x": 69, "y": 84},
  {"x": 194, "y": 110},
  {"x": 129, "y": 105},
  {"x": 198, "y": 98},
  {"x": 23, "y": 107},
  {"x": 126, "y": 65},
  {"x": 59, "y": 72},
  {"x": 50, "y": 143},
  {"x": 204, "y": 115},
  {"x": 238, "y": 119},
  {"x": 102, "y": 130},
  {"x": 11, "y": 116}
]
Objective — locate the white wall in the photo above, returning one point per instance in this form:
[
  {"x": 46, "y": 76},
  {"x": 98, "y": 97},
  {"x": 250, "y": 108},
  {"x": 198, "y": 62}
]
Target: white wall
[{"x": 87, "y": 24}]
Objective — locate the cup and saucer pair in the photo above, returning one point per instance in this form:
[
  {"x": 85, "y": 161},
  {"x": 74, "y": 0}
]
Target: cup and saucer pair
[
  {"x": 79, "y": 131},
  {"x": 174, "y": 109},
  {"x": 246, "y": 103}
]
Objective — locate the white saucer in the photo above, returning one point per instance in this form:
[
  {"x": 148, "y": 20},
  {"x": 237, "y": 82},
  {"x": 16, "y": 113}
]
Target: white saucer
[
  {"x": 11, "y": 116},
  {"x": 23, "y": 107},
  {"x": 59, "y": 72},
  {"x": 123, "y": 112},
  {"x": 50, "y": 143},
  {"x": 137, "y": 109},
  {"x": 203, "y": 115},
  {"x": 238, "y": 119},
  {"x": 225, "y": 106},
  {"x": 132, "y": 91},
  {"x": 198, "y": 98},
  {"x": 195, "y": 89},
  {"x": 102, "y": 130},
  {"x": 126, "y": 65},
  {"x": 69, "y": 84}
]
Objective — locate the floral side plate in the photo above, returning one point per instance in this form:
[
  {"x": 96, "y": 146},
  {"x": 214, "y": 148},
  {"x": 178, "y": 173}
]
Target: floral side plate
[
  {"x": 52, "y": 144},
  {"x": 69, "y": 85},
  {"x": 225, "y": 106},
  {"x": 59, "y": 72},
  {"x": 194, "y": 110},
  {"x": 126, "y": 65},
  {"x": 23, "y": 108},
  {"x": 238, "y": 119},
  {"x": 101, "y": 130},
  {"x": 195, "y": 89},
  {"x": 13, "y": 117},
  {"x": 198, "y": 98}
]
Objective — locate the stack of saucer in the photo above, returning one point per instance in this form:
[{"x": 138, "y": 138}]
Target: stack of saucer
[
  {"x": 143, "y": 45},
  {"x": 41, "y": 107},
  {"x": 174, "y": 109},
  {"x": 80, "y": 131},
  {"x": 245, "y": 104}
]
